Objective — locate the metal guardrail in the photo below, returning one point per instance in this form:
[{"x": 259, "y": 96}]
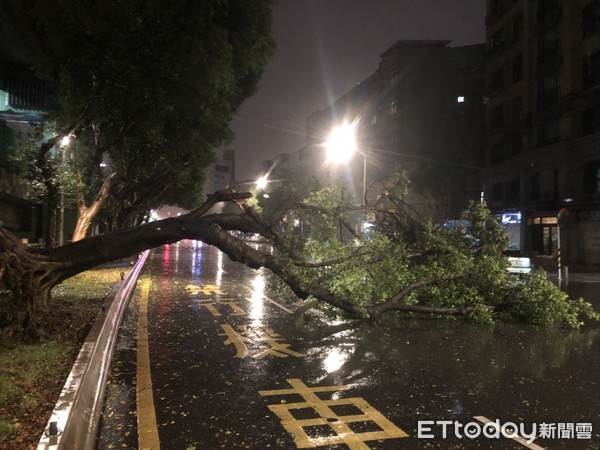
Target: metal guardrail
[{"x": 74, "y": 422}]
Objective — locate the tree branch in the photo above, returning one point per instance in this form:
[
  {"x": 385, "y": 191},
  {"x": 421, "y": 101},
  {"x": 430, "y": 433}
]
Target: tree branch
[{"x": 394, "y": 303}]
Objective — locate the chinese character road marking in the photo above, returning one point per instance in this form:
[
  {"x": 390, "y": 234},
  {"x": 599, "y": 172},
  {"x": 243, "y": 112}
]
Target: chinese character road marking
[
  {"x": 207, "y": 289},
  {"x": 518, "y": 439},
  {"x": 257, "y": 336},
  {"x": 211, "y": 303},
  {"x": 327, "y": 417}
]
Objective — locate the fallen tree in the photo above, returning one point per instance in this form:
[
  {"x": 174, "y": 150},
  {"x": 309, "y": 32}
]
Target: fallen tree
[{"x": 408, "y": 265}]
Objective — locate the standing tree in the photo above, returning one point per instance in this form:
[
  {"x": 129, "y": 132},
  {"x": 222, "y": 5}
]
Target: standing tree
[{"x": 147, "y": 88}]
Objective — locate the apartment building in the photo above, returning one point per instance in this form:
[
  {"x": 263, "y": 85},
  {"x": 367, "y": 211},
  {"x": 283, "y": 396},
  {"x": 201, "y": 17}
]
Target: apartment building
[
  {"x": 542, "y": 151},
  {"x": 421, "y": 111},
  {"x": 23, "y": 102}
]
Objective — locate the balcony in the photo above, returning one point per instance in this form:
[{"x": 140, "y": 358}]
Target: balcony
[
  {"x": 495, "y": 50},
  {"x": 548, "y": 15},
  {"x": 495, "y": 14},
  {"x": 549, "y": 58},
  {"x": 548, "y": 98}
]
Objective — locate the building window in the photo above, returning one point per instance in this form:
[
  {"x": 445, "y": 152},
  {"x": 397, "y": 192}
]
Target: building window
[
  {"x": 548, "y": 91},
  {"x": 497, "y": 192},
  {"x": 460, "y": 99},
  {"x": 497, "y": 7},
  {"x": 513, "y": 189},
  {"x": 548, "y": 133},
  {"x": 591, "y": 71},
  {"x": 496, "y": 43},
  {"x": 517, "y": 31},
  {"x": 591, "y": 178},
  {"x": 497, "y": 117},
  {"x": 517, "y": 143},
  {"x": 590, "y": 18},
  {"x": 546, "y": 7},
  {"x": 536, "y": 188},
  {"x": 544, "y": 186},
  {"x": 517, "y": 108},
  {"x": 548, "y": 45},
  {"x": 497, "y": 80},
  {"x": 517, "y": 67},
  {"x": 25, "y": 94},
  {"x": 590, "y": 122},
  {"x": 496, "y": 152}
]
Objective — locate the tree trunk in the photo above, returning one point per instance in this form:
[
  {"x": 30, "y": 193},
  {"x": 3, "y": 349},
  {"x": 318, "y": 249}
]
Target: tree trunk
[
  {"x": 88, "y": 213},
  {"x": 52, "y": 205},
  {"x": 29, "y": 277},
  {"x": 30, "y": 274}
]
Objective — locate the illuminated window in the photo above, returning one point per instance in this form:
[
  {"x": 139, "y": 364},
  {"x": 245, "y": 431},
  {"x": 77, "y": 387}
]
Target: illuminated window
[
  {"x": 460, "y": 99},
  {"x": 549, "y": 221}
]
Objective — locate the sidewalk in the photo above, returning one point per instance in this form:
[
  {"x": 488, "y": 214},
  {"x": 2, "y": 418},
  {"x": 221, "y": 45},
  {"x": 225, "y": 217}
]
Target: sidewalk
[
  {"x": 578, "y": 273},
  {"x": 577, "y": 277}
]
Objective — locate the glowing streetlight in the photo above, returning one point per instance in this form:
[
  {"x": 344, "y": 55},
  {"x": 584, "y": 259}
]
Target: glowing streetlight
[
  {"x": 261, "y": 183},
  {"x": 341, "y": 144},
  {"x": 65, "y": 141}
]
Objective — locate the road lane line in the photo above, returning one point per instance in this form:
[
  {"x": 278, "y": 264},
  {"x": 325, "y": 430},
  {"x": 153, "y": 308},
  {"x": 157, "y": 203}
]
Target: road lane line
[
  {"x": 517, "y": 438},
  {"x": 147, "y": 428}
]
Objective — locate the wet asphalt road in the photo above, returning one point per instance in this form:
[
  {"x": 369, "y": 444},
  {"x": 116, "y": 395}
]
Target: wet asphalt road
[{"x": 227, "y": 363}]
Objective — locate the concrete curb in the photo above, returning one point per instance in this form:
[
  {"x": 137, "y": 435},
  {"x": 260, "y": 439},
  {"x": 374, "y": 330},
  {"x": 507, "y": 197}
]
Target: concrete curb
[{"x": 73, "y": 424}]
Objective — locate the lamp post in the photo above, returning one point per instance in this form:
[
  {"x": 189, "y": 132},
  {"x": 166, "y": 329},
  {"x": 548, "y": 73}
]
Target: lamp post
[
  {"x": 64, "y": 144},
  {"x": 341, "y": 146}
]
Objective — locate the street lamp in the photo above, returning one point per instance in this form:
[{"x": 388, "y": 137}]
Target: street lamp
[
  {"x": 341, "y": 146},
  {"x": 64, "y": 144},
  {"x": 261, "y": 183}
]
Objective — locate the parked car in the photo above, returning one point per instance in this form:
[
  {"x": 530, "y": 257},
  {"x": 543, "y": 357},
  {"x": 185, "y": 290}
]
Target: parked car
[
  {"x": 518, "y": 263},
  {"x": 255, "y": 237}
]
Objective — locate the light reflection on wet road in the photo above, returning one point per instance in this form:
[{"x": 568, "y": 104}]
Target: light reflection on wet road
[{"x": 408, "y": 371}]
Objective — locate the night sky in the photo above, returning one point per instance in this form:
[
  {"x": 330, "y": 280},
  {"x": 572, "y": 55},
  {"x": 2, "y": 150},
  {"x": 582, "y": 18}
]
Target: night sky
[{"x": 324, "y": 47}]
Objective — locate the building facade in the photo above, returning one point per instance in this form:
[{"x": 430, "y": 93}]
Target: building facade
[
  {"x": 420, "y": 111},
  {"x": 542, "y": 152},
  {"x": 23, "y": 101}
]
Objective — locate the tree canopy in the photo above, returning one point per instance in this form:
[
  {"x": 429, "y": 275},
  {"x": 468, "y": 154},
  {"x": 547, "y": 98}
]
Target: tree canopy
[{"x": 148, "y": 88}]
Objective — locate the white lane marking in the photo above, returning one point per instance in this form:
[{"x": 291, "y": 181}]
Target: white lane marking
[{"x": 517, "y": 438}]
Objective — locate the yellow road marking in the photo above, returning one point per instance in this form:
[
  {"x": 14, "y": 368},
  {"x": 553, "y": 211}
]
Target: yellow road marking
[
  {"x": 147, "y": 428},
  {"x": 207, "y": 289},
  {"x": 211, "y": 303},
  {"x": 339, "y": 424}
]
